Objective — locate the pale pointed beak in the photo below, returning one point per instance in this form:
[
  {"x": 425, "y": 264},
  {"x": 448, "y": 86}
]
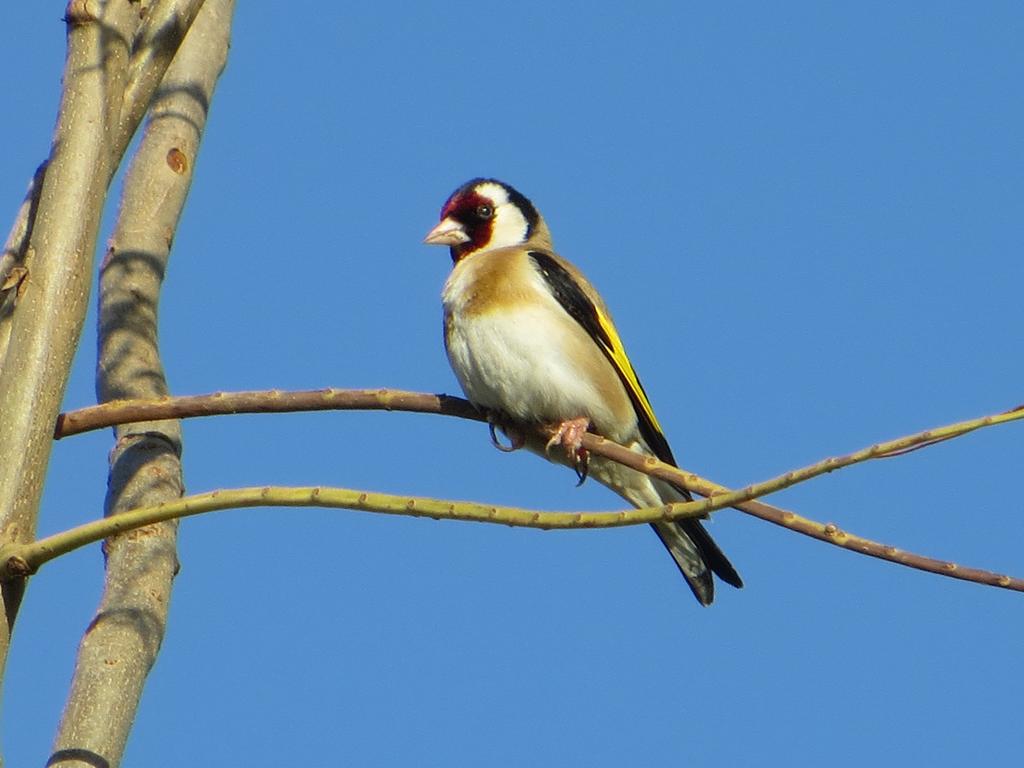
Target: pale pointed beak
[{"x": 448, "y": 232}]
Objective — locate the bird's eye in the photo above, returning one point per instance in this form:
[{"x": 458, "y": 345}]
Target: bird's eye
[{"x": 484, "y": 211}]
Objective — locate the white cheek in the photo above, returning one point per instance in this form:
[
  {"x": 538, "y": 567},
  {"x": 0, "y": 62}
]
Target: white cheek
[{"x": 509, "y": 228}]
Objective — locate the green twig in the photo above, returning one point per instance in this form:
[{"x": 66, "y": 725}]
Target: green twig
[
  {"x": 108, "y": 414},
  {"x": 23, "y": 559}
]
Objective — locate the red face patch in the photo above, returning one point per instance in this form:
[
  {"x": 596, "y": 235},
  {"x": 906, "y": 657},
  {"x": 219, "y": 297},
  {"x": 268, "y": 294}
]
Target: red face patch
[{"x": 475, "y": 213}]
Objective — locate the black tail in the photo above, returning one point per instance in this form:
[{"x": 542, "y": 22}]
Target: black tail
[
  {"x": 709, "y": 551},
  {"x": 697, "y": 557}
]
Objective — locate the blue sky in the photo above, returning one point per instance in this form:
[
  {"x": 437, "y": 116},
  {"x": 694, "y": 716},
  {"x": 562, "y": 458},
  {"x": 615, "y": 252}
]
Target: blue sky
[{"x": 807, "y": 219}]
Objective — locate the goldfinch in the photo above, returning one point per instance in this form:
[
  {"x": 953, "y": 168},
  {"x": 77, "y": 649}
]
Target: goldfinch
[{"x": 532, "y": 343}]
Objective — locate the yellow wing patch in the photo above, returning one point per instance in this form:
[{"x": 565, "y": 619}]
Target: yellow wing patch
[
  {"x": 566, "y": 289},
  {"x": 616, "y": 353}
]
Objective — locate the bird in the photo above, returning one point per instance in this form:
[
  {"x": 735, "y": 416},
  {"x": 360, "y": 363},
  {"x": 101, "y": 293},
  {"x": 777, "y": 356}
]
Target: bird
[{"x": 533, "y": 345}]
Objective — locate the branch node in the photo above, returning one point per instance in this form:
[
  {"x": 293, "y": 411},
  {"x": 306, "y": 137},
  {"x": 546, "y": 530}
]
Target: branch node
[
  {"x": 15, "y": 567},
  {"x": 177, "y": 161},
  {"x": 79, "y": 12}
]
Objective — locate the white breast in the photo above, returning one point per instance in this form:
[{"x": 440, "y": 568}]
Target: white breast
[{"x": 521, "y": 360}]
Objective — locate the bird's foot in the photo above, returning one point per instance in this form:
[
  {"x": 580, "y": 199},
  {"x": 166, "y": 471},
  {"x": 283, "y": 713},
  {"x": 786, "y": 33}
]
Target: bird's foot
[
  {"x": 516, "y": 438},
  {"x": 569, "y": 434}
]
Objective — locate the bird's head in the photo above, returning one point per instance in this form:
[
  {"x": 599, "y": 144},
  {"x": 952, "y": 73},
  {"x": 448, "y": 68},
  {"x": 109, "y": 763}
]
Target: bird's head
[{"x": 484, "y": 214}]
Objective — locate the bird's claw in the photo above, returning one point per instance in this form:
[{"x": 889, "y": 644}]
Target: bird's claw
[
  {"x": 582, "y": 466},
  {"x": 516, "y": 438},
  {"x": 569, "y": 435}
]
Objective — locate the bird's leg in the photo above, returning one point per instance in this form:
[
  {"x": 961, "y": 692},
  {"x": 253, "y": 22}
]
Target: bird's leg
[
  {"x": 569, "y": 434},
  {"x": 516, "y": 438}
]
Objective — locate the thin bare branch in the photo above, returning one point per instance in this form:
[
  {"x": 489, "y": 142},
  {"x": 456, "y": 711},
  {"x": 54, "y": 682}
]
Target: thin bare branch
[
  {"x": 13, "y": 273},
  {"x": 95, "y": 417},
  {"x": 23, "y": 559},
  {"x": 18, "y": 560},
  {"x": 334, "y": 399},
  {"x": 17, "y": 239},
  {"x": 261, "y": 401},
  {"x": 829, "y": 533}
]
